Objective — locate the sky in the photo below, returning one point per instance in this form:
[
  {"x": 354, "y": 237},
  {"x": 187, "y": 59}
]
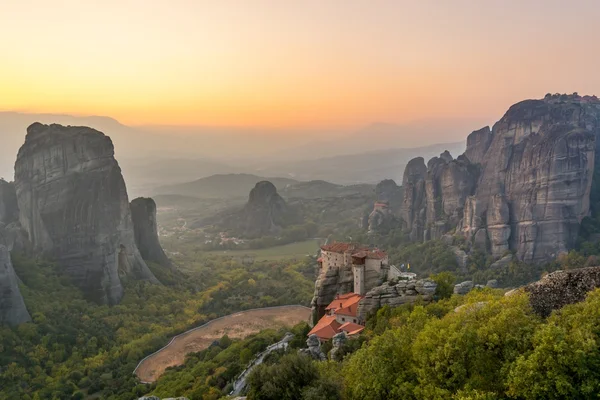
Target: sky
[{"x": 293, "y": 64}]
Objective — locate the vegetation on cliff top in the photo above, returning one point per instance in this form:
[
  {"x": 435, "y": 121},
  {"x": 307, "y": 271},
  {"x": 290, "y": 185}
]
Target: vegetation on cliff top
[{"x": 494, "y": 347}]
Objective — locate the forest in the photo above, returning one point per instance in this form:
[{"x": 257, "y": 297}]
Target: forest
[
  {"x": 74, "y": 349},
  {"x": 483, "y": 346}
]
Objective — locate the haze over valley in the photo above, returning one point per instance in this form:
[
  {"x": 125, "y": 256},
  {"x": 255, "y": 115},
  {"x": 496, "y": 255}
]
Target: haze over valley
[{"x": 284, "y": 200}]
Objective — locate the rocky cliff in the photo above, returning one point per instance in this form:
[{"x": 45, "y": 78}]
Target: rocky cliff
[
  {"x": 265, "y": 212},
  {"x": 396, "y": 294},
  {"x": 522, "y": 186},
  {"x": 73, "y": 205},
  {"x": 387, "y": 208},
  {"x": 143, "y": 214},
  {"x": 12, "y": 306}
]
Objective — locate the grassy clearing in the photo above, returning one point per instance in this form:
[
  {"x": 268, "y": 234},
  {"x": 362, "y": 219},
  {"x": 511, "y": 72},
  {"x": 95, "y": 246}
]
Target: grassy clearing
[{"x": 287, "y": 251}]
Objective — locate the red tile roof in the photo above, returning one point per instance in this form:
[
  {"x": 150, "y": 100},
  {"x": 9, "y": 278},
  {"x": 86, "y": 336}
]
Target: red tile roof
[
  {"x": 326, "y": 328},
  {"x": 373, "y": 254},
  {"x": 341, "y": 247},
  {"x": 345, "y": 304},
  {"x": 351, "y": 328}
]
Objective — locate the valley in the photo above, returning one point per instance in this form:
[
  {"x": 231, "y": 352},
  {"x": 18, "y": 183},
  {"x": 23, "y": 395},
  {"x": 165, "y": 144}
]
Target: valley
[{"x": 235, "y": 326}]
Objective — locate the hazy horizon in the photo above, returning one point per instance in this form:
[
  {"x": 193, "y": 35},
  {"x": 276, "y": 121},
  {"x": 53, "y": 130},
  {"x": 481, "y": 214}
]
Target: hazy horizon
[{"x": 293, "y": 65}]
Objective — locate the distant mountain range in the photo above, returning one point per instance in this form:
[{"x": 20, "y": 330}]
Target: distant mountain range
[
  {"x": 367, "y": 167},
  {"x": 230, "y": 186},
  {"x": 222, "y": 186},
  {"x": 156, "y": 156}
]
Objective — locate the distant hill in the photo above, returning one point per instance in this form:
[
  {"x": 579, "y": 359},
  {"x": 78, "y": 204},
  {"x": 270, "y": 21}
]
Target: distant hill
[
  {"x": 322, "y": 189},
  {"x": 368, "y": 167},
  {"x": 239, "y": 185},
  {"x": 222, "y": 186}
]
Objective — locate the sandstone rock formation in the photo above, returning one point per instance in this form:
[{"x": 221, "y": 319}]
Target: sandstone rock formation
[
  {"x": 403, "y": 292},
  {"x": 11, "y": 234},
  {"x": 387, "y": 208},
  {"x": 522, "y": 186},
  {"x": 265, "y": 213},
  {"x": 338, "y": 342},
  {"x": 314, "y": 349},
  {"x": 143, "y": 214},
  {"x": 73, "y": 205},
  {"x": 560, "y": 288},
  {"x": 12, "y": 307},
  {"x": 9, "y": 210},
  {"x": 463, "y": 287}
]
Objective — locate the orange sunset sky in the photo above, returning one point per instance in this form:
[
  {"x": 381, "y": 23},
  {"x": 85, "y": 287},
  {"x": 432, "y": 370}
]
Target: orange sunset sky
[{"x": 293, "y": 63}]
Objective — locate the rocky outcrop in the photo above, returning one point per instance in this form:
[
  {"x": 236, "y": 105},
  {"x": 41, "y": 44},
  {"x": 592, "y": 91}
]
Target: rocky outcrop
[
  {"x": 337, "y": 349},
  {"x": 389, "y": 192},
  {"x": 522, "y": 186},
  {"x": 387, "y": 208},
  {"x": 327, "y": 285},
  {"x": 73, "y": 205},
  {"x": 402, "y": 292},
  {"x": 12, "y": 307},
  {"x": 560, "y": 288},
  {"x": 313, "y": 349},
  {"x": 463, "y": 287},
  {"x": 143, "y": 214},
  {"x": 11, "y": 234},
  {"x": 265, "y": 213},
  {"x": 9, "y": 209}
]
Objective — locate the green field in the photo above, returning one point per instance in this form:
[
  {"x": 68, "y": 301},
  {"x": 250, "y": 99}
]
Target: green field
[{"x": 287, "y": 251}]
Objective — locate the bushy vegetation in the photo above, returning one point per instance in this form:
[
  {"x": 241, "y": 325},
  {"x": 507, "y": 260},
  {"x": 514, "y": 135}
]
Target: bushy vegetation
[
  {"x": 492, "y": 347},
  {"x": 208, "y": 374},
  {"x": 75, "y": 349}
]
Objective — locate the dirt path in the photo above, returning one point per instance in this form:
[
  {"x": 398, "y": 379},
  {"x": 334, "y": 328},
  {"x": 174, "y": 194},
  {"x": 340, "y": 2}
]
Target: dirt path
[{"x": 236, "y": 326}]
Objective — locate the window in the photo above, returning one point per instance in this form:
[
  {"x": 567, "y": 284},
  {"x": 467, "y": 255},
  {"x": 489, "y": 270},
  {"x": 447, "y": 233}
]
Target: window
[
  {"x": 354, "y": 320},
  {"x": 343, "y": 319}
]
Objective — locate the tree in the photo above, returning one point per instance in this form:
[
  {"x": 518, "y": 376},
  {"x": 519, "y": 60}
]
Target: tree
[
  {"x": 565, "y": 360},
  {"x": 445, "y": 284},
  {"x": 284, "y": 380}
]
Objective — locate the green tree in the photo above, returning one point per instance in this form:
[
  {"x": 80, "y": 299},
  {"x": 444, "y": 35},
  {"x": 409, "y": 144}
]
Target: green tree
[
  {"x": 565, "y": 360},
  {"x": 445, "y": 284}
]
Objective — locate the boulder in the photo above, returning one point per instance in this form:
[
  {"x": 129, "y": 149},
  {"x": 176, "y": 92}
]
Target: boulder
[
  {"x": 492, "y": 283},
  {"x": 314, "y": 349},
  {"x": 463, "y": 287},
  {"x": 338, "y": 342},
  {"x": 73, "y": 205},
  {"x": 560, "y": 288}
]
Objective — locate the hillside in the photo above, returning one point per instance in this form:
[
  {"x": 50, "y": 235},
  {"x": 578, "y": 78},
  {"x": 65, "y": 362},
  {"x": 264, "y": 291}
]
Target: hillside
[
  {"x": 361, "y": 167},
  {"x": 231, "y": 186},
  {"x": 222, "y": 186}
]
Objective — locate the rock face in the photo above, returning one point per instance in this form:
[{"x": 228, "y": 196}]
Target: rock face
[
  {"x": 560, "y": 288},
  {"x": 338, "y": 342},
  {"x": 265, "y": 213},
  {"x": 12, "y": 307},
  {"x": 463, "y": 287},
  {"x": 73, "y": 205},
  {"x": 313, "y": 349},
  {"x": 522, "y": 186},
  {"x": 387, "y": 208},
  {"x": 403, "y": 292},
  {"x": 9, "y": 210},
  {"x": 11, "y": 234},
  {"x": 143, "y": 214}
]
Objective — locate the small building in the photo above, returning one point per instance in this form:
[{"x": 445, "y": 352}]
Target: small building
[
  {"x": 341, "y": 316},
  {"x": 368, "y": 265}
]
